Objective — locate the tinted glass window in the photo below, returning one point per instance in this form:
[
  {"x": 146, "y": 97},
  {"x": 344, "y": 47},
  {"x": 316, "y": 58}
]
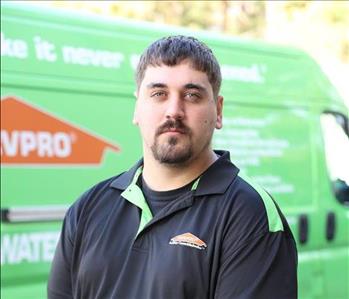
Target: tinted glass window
[{"x": 335, "y": 130}]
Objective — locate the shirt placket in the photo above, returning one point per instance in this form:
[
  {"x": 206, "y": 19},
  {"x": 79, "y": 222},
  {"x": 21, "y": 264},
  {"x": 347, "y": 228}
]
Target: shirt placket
[{"x": 135, "y": 196}]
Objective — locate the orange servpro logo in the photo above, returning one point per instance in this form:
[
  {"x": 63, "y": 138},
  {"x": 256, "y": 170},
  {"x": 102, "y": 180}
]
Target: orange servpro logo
[
  {"x": 188, "y": 239},
  {"x": 32, "y": 136}
]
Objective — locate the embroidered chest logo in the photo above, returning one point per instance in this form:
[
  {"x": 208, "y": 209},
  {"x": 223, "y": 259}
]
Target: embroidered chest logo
[{"x": 188, "y": 239}]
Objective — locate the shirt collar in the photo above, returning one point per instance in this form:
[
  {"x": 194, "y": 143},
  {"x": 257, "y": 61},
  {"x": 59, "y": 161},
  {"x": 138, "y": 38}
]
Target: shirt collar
[
  {"x": 125, "y": 179},
  {"x": 215, "y": 180}
]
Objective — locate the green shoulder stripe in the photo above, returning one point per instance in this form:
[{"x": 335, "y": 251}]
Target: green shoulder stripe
[{"x": 274, "y": 220}]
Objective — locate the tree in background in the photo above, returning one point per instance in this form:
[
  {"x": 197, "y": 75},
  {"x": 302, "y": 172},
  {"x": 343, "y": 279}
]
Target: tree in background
[
  {"x": 251, "y": 19},
  {"x": 321, "y": 28},
  {"x": 323, "y": 25},
  {"x": 233, "y": 17}
]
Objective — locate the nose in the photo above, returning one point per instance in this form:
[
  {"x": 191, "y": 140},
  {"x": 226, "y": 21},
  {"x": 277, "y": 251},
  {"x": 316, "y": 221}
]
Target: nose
[{"x": 174, "y": 107}]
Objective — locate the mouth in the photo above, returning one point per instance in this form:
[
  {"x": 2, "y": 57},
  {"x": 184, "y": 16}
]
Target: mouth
[{"x": 173, "y": 131}]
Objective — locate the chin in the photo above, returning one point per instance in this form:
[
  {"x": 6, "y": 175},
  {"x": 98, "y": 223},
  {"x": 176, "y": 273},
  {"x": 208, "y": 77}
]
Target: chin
[{"x": 172, "y": 154}]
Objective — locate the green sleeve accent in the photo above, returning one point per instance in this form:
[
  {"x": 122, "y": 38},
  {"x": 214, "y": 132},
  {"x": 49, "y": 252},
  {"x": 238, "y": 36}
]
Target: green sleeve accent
[
  {"x": 274, "y": 220},
  {"x": 135, "y": 196}
]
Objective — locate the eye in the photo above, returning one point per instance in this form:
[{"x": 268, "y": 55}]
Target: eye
[
  {"x": 158, "y": 94},
  {"x": 192, "y": 97}
]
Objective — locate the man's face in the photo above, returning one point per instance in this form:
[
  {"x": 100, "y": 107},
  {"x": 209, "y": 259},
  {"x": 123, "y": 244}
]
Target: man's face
[{"x": 176, "y": 113}]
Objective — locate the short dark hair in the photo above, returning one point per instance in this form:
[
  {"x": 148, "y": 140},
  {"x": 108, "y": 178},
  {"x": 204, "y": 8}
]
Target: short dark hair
[{"x": 173, "y": 50}]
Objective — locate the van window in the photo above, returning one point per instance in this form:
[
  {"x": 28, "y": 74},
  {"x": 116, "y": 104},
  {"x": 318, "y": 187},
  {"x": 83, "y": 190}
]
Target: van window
[{"x": 335, "y": 130}]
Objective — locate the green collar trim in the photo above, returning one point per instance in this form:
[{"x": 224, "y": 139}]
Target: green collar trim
[
  {"x": 135, "y": 196},
  {"x": 195, "y": 184}
]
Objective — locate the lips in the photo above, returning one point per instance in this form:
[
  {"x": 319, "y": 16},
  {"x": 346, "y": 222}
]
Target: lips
[{"x": 174, "y": 130}]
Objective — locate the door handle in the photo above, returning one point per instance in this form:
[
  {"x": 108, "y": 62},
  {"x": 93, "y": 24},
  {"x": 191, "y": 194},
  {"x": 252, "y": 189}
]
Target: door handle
[
  {"x": 303, "y": 229},
  {"x": 330, "y": 226},
  {"x": 33, "y": 214}
]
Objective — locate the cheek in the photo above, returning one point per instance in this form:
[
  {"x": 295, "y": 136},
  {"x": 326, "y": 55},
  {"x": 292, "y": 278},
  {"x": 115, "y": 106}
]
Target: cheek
[
  {"x": 208, "y": 121},
  {"x": 148, "y": 126},
  {"x": 145, "y": 117},
  {"x": 203, "y": 127},
  {"x": 145, "y": 126}
]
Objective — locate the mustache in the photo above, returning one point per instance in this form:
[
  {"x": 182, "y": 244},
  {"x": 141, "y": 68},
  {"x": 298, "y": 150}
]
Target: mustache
[{"x": 173, "y": 124}]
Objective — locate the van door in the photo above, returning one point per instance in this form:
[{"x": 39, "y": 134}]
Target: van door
[{"x": 334, "y": 196}]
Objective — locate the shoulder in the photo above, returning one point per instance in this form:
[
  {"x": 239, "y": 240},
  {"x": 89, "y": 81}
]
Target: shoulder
[
  {"x": 89, "y": 200},
  {"x": 249, "y": 211},
  {"x": 259, "y": 201}
]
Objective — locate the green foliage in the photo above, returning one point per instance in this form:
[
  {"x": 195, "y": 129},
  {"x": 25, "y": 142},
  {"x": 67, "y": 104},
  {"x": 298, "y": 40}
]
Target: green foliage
[
  {"x": 337, "y": 13},
  {"x": 292, "y": 7}
]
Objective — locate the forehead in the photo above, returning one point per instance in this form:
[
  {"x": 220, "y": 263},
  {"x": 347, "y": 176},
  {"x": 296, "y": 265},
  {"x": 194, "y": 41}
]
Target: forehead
[{"x": 174, "y": 76}]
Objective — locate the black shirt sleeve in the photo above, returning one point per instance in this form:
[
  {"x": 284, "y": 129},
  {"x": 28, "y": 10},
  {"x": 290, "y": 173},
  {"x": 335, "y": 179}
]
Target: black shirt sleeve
[
  {"x": 60, "y": 283},
  {"x": 264, "y": 267},
  {"x": 259, "y": 263}
]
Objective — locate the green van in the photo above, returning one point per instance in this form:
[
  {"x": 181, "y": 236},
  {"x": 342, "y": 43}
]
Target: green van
[{"x": 66, "y": 123}]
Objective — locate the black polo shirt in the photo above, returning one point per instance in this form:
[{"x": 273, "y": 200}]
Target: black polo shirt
[{"x": 225, "y": 238}]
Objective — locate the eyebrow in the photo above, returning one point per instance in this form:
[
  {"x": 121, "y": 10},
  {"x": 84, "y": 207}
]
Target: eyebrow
[{"x": 156, "y": 85}]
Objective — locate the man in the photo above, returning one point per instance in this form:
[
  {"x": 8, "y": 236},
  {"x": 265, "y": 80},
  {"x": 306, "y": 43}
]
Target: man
[{"x": 181, "y": 223}]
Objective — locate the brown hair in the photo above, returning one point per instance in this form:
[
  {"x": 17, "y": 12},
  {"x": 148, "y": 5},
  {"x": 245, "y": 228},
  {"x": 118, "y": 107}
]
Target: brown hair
[{"x": 173, "y": 50}]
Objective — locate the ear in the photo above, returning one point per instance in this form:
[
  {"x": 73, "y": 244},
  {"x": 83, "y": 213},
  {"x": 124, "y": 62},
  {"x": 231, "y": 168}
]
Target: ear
[
  {"x": 135, "y": 118},
  {"x": 219, "y": 107}
]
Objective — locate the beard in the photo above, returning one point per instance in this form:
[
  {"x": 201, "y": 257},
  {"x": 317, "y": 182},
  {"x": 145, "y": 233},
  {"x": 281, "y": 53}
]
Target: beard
[{"x": 170, "y": 151}]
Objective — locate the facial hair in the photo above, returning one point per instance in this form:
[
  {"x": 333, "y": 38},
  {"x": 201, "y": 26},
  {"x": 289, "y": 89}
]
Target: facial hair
[{"x": 169, "y": 152}]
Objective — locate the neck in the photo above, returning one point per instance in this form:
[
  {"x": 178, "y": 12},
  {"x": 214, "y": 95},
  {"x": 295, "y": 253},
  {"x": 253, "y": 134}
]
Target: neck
[{"x": 164, "y": 177}]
